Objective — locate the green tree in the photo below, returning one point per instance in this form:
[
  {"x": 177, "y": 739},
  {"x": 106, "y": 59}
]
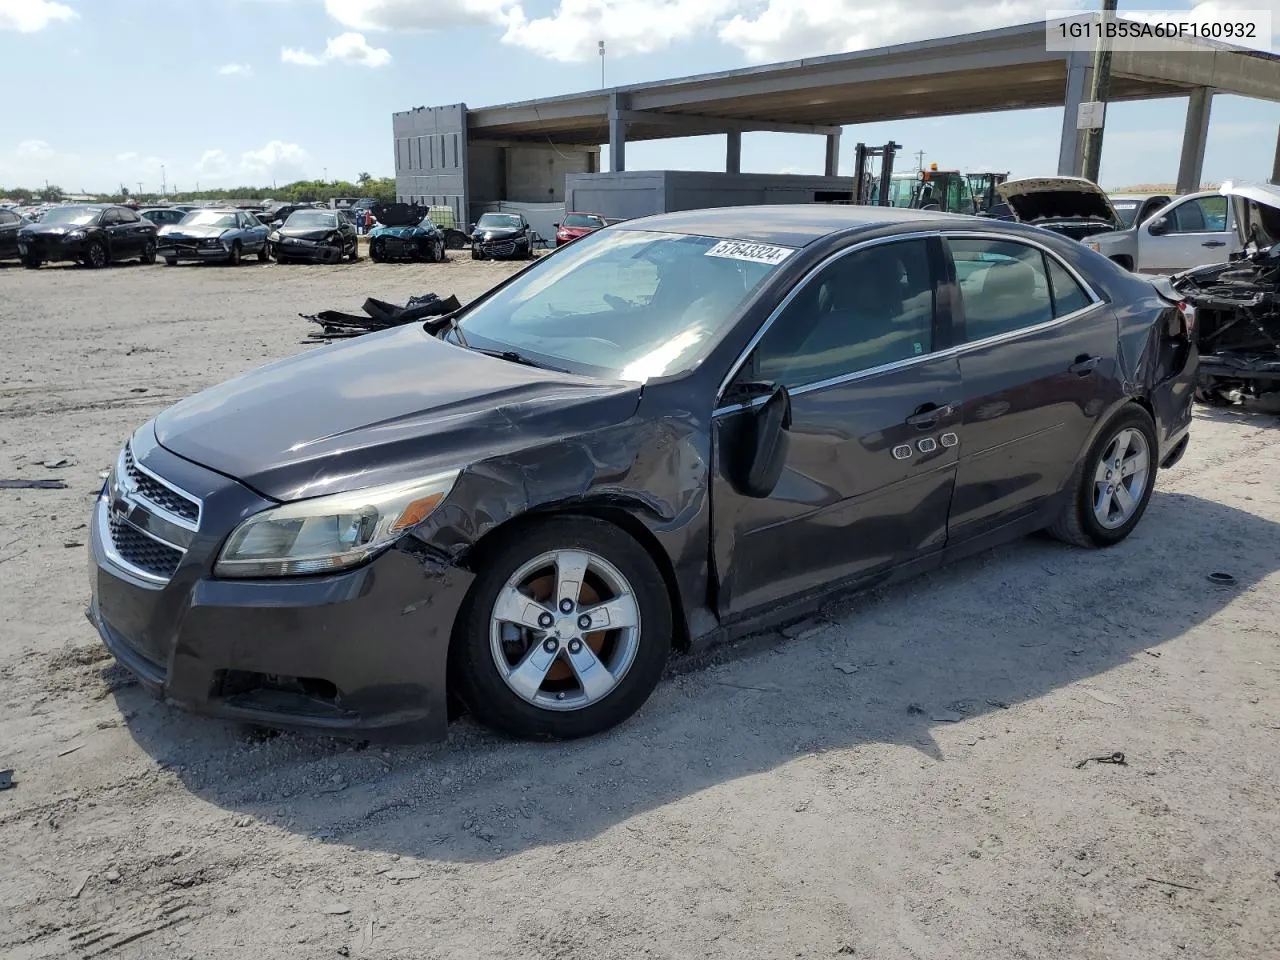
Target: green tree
[{"x": 363, "y": 179}]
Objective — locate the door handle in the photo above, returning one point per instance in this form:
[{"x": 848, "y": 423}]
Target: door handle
[
  {"x": 1084, "y": 365},
  {"x": 930, "y": 415},
  {"x": 1214, "y": 243}
]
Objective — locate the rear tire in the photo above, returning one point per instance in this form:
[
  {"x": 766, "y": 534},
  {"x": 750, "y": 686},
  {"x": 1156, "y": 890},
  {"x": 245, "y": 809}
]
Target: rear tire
[
  {"x": 32, "y": 263},
  {"x": 264, "y": 253},
  {"x": 1081, "y": 522},
  {"x": 148, "y": 253},
  {"x": 635, "y": 655}
]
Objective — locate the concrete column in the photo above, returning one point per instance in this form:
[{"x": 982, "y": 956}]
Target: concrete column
[
  {"x": 733, "y": 152},
  {"x": 833, "y": 154},
  {"x": 1194, "y": 137},
  {"x": 1275, "y": 164},
  {"x": 1071, "y": 148},
  {"x": 617, "y": 135}
]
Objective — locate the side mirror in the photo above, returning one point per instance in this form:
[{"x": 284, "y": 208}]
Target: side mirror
[
  {"x": 761, "y": 444},
  {"x": 1158, "y": 227},
  {"x": 473, "y": 228},
  {"x": 556, "y": 226}
]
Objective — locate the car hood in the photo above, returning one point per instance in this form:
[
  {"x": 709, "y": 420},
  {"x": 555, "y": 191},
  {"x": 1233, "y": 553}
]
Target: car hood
[
  {"x": 308, "y": 233},
  {"x": 406, "y": 231},
  {"x": 1036, "y": 199},
  {"x": 498, "y": 233},
  {"x": 1257, "y": 210},
  {"x": 383, "y": 407},
  {"x": 204, "y": 230},
  {"x": 49, "y": 229}
]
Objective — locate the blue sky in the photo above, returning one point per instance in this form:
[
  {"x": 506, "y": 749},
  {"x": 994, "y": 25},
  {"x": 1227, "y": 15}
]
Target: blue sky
[{"x": 224, "y": 92}]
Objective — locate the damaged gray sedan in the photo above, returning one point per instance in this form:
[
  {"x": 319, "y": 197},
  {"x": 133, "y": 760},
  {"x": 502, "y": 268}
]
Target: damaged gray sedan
[{"x": 675, "y": 430}]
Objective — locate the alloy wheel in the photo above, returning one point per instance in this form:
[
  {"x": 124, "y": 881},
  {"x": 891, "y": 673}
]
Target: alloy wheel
[
  {"x": 1121, "y": 478},
  {"x": 564, "y": 630}
]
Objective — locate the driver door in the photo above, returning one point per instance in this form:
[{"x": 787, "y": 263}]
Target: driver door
[
  {"x": 1197, "y": 230},
  {"x": 872, "y": 446}
]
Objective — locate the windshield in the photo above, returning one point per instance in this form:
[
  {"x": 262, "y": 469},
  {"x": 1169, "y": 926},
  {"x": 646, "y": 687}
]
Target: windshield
[
  {"x": 582, "y": 220},
  {"x": 75, "y": 216},
  {"x": 502, "y": 220},
  {"x": 311, "y": 218},
  {"x": 627, "y": 303},
  {"x": 209, "y": 218},
  {"x": 1128, "y": 209}
]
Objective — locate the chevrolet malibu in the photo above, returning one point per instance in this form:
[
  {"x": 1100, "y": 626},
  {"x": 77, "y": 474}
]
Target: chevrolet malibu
[{"x": 673, "y": 431}]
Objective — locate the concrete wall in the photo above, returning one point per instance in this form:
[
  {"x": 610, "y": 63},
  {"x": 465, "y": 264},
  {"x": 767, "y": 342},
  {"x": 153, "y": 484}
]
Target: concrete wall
[
  {"x": 535, "y": 174},
  {"x": 639, "y": 193},
  {"x": 431, "y": 156}
]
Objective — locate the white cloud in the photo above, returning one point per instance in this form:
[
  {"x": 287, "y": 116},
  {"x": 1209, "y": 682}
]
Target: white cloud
[
  {"x": 417, "y": 14},
  {"x": 236, "y": 70},
  {"x": 31, "y": 16},
  {"x": 785, "y": 29},
  {"x": 213, "y": 165},
  {"x": 129, "y": 157},
  {"x": 299, "y": 57},
  {"x": 349, "y": 48},
  {"x": 35, "y": 150},
  {"x": 276, "y": 160},
  {"x": 572, "y": 30},
  {"x": 353, "y": 48}
]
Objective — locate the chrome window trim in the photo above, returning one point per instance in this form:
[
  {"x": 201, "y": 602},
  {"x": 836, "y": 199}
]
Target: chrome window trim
[{"x": 1094, "y": 301}]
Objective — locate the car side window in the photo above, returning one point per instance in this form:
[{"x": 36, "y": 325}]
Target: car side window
[
  {"x": 1068, "y": 295},
  {"x": 127, "y": 216},
  {"x": 871, "y": 307},
  {"x": 1205, "y": 215},
  {"x": 110, "y": 218},
  {"x": 7, "y": 219},
  {"x": 1003, "y": 286}
]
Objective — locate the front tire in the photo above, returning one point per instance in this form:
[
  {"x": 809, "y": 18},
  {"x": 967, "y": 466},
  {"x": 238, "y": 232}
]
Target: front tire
[
  {"x": 565, "y": 632},
  {"x": 32, "y": 263},
  {"x": 376, "y": 248},
  {"x": 354, "y": 255},
  {"x": 236, "y": 254},
  {"x": 95, "y": 255},
  {"x": 1111, "y": 486}
]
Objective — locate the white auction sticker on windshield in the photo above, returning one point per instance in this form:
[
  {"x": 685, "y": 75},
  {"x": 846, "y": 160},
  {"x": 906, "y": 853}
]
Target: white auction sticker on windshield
[{"x": 755, "y": 252}]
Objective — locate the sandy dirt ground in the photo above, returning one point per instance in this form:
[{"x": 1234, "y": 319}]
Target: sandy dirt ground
[{"x": 900, "y": 781}]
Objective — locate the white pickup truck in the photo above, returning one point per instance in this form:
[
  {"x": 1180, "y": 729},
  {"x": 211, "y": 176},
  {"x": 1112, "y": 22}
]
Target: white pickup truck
[{"x": 1189, "y": 231}]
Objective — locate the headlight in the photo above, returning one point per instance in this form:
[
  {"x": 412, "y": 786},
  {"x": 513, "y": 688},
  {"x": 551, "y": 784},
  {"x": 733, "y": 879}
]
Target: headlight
[
  {"x": 211, "y": 242},
  {"x": 274, "y": 236},
  {"x": 1095, "y": 247},
  {"x": 329, "y": 533},
  {"x": 76, "y": 235}
]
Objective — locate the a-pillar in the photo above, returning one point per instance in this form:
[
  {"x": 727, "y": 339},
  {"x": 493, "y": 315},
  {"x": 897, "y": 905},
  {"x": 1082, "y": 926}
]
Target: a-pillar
[
  {"x": 1194, "y": 137},
  {"x": 617, "y": 134},
  {"x": 733, "y": 152},
  {"x": 1071, "y": 148},
  {"x": 833, "y": 154}
]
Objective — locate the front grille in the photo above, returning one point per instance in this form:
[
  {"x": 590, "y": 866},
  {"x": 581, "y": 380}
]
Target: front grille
[
  {"x": 139, "y": 550},
  {"x": 503, "y": 248},
  {"x": 162, "y": 496}
]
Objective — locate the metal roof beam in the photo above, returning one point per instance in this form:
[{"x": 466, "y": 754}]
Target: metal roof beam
[{"x": 708, "y": 124}]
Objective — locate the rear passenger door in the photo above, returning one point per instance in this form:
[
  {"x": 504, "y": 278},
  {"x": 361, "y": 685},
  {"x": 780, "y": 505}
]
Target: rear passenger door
[
  {"x": 871, "y": 451},
  {"x": 1038, "y": 360},
  {"x": 120, "y": 239},
  {"x": 9, "y": 224}
]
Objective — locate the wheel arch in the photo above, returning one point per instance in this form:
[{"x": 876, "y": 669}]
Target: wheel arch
[
  {"x": 625, "y": 516},
  {"x": 1141, "y": 401}
]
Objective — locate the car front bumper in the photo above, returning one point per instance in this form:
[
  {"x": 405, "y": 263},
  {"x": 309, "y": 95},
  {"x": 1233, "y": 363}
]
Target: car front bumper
[
  {"x": 51, "y": 248},
  {"x": 364, "y": 651},
  {"x": 296, "y": 249},
  {"x": 498, "y": 249},
  {"x": 176, "y": 252}
]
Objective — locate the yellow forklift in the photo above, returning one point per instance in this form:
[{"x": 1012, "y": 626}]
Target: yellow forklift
[{"x": 932, "y": 189}]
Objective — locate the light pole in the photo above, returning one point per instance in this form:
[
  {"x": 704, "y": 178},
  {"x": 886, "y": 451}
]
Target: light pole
[
  {"x": 139, "y": 183},
  {"x": 326, "y": 174},
  {"x": 600, "y": 46},
  {"x": 164, "y": 191}
]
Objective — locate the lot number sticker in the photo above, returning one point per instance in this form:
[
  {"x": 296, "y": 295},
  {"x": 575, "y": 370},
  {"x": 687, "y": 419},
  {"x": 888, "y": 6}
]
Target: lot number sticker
[{"x": 755, "y": 252}]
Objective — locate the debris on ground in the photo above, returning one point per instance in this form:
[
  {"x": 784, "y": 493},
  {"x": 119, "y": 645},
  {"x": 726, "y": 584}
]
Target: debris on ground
[
  {"x": 56, "y": 463},
  {"x": 336, "y": 909},
  {"x": 33, "y": 484},
  {"x": 946, "y": 716},
  {"x": 1116, "y": 758},
  {"x": 80, "y": 885},
  {"x": 1222, "y": 579},
  {"x": 380, "y": 315},
  {"x": 6, "y": 780},
  {"x": 846, "y": 667}
]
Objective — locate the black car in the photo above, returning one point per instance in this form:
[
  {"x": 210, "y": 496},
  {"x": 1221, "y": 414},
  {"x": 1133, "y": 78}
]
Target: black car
[
  {"x": 162, "y": 216},
  {"x": 502, "y": 236},
  {"x": 92, "y": 234},
  {"x": 677, "y": 430},
  {"x": 321, "y": 235},
  {"x": 10, "y": 223}
]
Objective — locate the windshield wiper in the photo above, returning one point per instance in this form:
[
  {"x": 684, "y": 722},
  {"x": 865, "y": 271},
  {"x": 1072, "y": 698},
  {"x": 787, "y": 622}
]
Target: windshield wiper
[{"x": 512, "y": 357}]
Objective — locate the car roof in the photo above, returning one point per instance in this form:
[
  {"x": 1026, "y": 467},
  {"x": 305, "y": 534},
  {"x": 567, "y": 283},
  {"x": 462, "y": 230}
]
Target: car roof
[
  {"x": 1137, "y": 196},
  {"x": 791, "y": 225}
]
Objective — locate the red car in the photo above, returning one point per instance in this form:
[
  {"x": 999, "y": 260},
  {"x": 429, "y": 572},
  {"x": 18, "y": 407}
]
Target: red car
[{"x": 575, "y": 225}]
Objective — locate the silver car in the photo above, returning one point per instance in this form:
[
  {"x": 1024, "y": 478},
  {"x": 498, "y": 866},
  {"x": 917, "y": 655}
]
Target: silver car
[
  {"x": 1186, "y": 232},
  {"x": 218, "y": 235}
]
